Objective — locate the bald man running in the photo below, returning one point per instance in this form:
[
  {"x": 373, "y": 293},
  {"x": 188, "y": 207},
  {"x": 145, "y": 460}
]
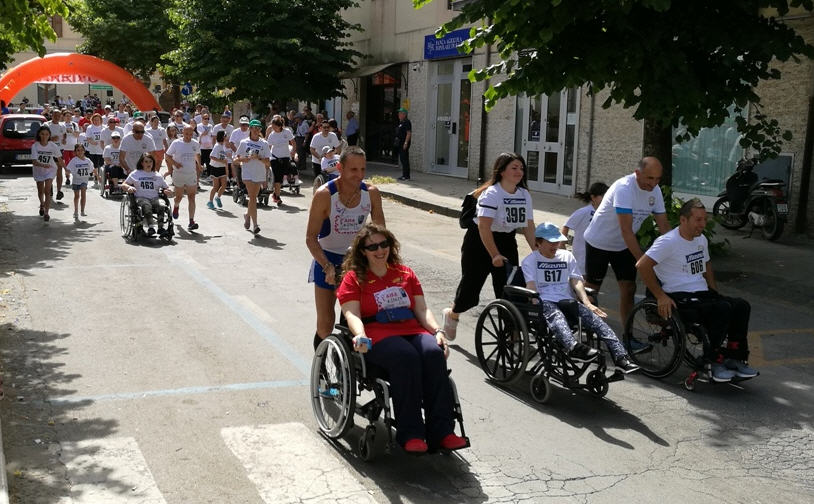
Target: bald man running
[{"x": 611, "y": 235}]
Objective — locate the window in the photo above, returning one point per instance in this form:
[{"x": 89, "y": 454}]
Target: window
[{"x": 457, "y": 4}]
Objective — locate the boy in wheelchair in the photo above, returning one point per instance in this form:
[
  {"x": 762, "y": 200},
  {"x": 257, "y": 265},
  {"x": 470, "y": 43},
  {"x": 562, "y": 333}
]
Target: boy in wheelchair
[
  {"x": 384, "y": 306},
  {"x": 677, "y": 271},
  {"x": 146, "y": 185},
  {"x": 554, "y": 273}
]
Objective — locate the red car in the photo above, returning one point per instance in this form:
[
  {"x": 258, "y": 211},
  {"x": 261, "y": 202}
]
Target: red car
[{"x": 17, "y": 135}]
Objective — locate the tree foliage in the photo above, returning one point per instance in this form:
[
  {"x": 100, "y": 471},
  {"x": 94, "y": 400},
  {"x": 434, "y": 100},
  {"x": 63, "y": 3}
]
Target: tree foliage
[
  {"x": 25, "y": 24},
  {"x": 251, "y": 49},
  {"x": 672, "y": 61},
  {"x": 133, "y": 35}
]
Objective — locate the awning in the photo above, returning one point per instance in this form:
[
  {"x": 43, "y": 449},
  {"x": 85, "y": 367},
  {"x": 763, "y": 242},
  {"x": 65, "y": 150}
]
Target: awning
[{"x": 364, "y": 71}]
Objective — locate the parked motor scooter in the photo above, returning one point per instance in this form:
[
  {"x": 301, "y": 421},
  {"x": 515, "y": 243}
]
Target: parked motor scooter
[{"x": 748, "y": 199}]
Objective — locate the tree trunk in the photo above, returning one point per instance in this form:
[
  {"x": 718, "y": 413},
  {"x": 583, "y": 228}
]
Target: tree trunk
[{"x": 658, "y": 142}]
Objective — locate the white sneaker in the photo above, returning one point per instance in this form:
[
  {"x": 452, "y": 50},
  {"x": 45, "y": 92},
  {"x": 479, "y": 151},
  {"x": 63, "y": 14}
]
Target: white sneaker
[{"x": 450, "y": 324}]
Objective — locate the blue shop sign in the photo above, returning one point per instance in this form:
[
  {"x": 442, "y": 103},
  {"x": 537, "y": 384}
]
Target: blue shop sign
[{"x": 445, "y": 47}]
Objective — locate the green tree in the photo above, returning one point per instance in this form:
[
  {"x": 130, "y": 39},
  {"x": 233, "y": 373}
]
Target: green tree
[
  {"x": 260, "y": 49},
  {"x": 26, "y": 24},
  {"x": 133, "y": 35},
  {"x": 672, "y": 62}
]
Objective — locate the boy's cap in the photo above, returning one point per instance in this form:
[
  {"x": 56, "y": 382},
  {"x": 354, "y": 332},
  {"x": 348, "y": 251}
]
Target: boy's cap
[
  {"x": 549, "y": 232},
  {"x": 254, "y": 123},
  {"x": 244, "y": 120},
  {"x": 327, "y": 149},
  {"x": 115, "y": 134}
]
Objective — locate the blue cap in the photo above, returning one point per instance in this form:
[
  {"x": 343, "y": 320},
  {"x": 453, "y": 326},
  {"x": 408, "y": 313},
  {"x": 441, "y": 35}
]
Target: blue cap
[{"x": 549, "y": 232}]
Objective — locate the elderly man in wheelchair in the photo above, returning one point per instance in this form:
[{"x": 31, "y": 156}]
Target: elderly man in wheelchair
[
  {"x": 399, "y": 352},
  {"x": 147, "y": 193},
  {"x": 678, "y": 273}
]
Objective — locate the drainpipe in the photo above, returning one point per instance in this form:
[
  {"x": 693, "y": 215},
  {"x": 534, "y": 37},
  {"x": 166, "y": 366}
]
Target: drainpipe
[
  {"x": 483, "y": 116},
  {"x": 590, "y": 142},
  {"x": 801, "y": 218}
]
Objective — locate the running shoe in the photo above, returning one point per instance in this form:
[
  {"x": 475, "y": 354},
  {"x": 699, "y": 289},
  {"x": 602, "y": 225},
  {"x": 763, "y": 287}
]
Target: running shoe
[
  {"x": 60, "y": 195},
  {"x": 83, "y": 214},
  {"x": 175, "y": 212},
  {"x": 453, "y": 442},
  {"x": 42, "y": 210},
  {"x": 583, "y": 353},
  {"x": 210, "y": 205},
  {"x": 256, "y": 230},
  {"x": 150, "y": 231},
  {"x": 46, "y": 217},
  {"x": 415, "y": 446},
  {"x": 75, "y": 216},
  {"x": 624, "y": 365},
  {"x": 450, "y": 324},
  {"x": 722, "y": 374},
  {"x": 217, "y": 202},
  {"x": 741, "y": 369},
  {"x": 192, "y": 225}
]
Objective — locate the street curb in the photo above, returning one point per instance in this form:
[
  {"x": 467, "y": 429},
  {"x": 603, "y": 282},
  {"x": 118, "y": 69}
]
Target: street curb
[{"x": 422, "y": 205}]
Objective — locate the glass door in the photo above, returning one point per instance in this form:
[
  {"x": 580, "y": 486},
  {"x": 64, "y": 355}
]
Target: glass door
[
  {"x": 548, "y": 134},
  {"x": 450, "y": 107}
]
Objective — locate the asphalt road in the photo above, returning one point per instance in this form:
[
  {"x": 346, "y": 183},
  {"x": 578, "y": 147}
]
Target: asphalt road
[{"x": 178, "y": 373}]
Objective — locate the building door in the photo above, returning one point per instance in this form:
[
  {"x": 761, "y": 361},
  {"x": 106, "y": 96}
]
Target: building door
[
  {"x": 450, "y": 106},
  {"x": 548, "y": 135}
]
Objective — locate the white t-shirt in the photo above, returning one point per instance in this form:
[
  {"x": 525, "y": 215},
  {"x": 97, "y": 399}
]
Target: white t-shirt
[
  {"x": 247, "y": 147},
  {"x": 227, "y": 132},
  {"x": 220, "y": 156},
  {"x": 134, "y": 148},
  {"x": 111, "y": 153},
  {"x": 319, "y": 141},
  {"x": 578, "y": 222},
  {"x": 508, "y": 211},
  {"x": 681, "y": 263},
  {"x": 57, "y": 132},
  {"x": 122, "y": 116},
  {"x": 107, "y": 132},
  {"x": 71, "y": 135},
  {"x": 279, "y": 143},
  {"x": 205, "y": 135},
  {"x": 158, "y": 135},
  {"x": 238, "y": 135},
  {"x": 147, "y": 184},
  {"x": 623, "y": 197},
  {"x": 552, "y": 277},
  {"x": 47, "y": 153},
  {"x": 95, "y": 133},
  {"x": 329, "y": 164},
  {"x": 80, "y": 170},
  {"x": 185, "y": 153}
]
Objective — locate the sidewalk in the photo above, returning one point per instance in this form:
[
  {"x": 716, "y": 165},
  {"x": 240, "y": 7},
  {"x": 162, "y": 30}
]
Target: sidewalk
[{"x": 780, "y": 270}]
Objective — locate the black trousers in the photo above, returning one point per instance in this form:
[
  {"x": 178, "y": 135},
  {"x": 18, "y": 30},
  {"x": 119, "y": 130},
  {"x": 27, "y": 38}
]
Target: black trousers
[
  {"x": 723, "y": 317},
  {"x": 404, "y": 159},
  {"x": 476, "y": 265},
  {"x": 353, "y": 139}
]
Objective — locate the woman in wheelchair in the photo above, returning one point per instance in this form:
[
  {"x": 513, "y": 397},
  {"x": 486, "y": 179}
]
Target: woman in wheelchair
[
  {"x": 146, "y": 184},
  {"x": 385, "y": 309},
  {"x": 554, "y": 273}
]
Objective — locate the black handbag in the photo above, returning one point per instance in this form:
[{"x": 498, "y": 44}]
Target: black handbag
[{"x": 468, "y": 211}]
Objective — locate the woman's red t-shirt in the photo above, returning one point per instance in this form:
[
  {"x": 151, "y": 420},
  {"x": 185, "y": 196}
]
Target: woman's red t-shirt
[{"x": 396, "y": 289}]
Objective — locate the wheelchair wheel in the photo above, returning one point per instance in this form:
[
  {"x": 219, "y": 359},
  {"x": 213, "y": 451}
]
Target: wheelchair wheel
[
  {"x": 319, "y": 180},
  {"x": 501, "y": 341},
  {"x": 655, "y": 344},
  {"x": 367, "y": 444},
  {"x": 126, "y": 218},
  {"x": 333, "y": 387},
  {"x": 597, "y": 383},
  {"x": 540, "y": 388}
]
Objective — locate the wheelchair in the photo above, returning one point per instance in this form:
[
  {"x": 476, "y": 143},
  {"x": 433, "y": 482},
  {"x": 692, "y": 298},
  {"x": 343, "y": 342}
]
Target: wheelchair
[
  {"x": 323, "y": 178},
  {"x": 511, "y": 333},
  {"x": 107, "y": 189},
  {"x": 340, "y": 377},
  {"x": 132, "y": 220},
  {"x": 241, "y": 196},
  {"x": 663, "y": 344}
]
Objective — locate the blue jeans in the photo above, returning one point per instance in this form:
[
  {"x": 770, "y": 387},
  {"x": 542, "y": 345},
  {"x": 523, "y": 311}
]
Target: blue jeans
[{"x": 418, "y": 378}]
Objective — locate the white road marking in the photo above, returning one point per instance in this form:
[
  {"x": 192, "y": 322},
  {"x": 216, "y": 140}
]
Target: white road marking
[
  {"x": 288, "y": 463},
  {"x": 109, "y": 470}
]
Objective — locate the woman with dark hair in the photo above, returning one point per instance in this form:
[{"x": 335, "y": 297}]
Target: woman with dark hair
[
  {"x": 46, "y": 157},
  {"x": 579, "y": 220},
  {"x": 504, "y": 206},
  {"x": 147, "y": 185},
  {"x": 384, "y": 306}
]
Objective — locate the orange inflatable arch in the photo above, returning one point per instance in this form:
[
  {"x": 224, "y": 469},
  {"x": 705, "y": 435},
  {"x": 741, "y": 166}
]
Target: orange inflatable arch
[{"x": 17, "y": 78}]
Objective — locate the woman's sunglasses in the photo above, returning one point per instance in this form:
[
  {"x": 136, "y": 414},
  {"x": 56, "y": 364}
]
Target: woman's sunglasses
[{"x": 373, "y": 247}]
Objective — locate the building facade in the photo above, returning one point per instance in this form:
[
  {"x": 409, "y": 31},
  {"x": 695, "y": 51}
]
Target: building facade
[{"x": 568, "y": 140}]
